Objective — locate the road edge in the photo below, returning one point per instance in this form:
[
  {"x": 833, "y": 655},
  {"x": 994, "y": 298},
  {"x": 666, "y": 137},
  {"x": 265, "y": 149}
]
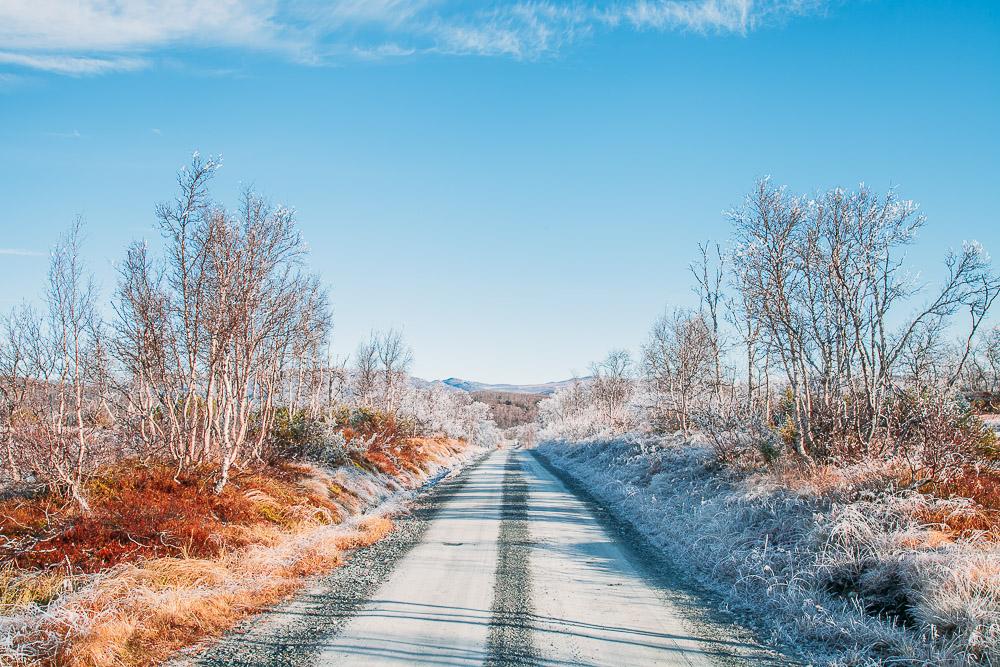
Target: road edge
[{"x": 697, "y": 605}]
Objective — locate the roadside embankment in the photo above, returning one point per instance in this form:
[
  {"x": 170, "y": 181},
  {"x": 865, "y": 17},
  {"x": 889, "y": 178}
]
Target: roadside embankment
[{"x": 160, "y": 561}]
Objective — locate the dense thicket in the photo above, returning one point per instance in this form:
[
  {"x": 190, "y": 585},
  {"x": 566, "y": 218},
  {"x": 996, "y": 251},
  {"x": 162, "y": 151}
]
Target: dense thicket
[{"x": 510, "y": 408}]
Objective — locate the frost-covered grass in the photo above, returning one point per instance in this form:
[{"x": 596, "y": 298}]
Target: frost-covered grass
[
  {"x": 826, "y": 561},
  {"x": 140, "y": 609}
]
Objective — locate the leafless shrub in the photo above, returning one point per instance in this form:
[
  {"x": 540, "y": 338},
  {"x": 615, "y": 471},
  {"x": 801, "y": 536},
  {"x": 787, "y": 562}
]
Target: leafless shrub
[
  {"x": 740, "y": 436},
  {"x": 611, "y": 387},
  {"x": 680, "y": 365},
  {"x": 935, "y": 435}
]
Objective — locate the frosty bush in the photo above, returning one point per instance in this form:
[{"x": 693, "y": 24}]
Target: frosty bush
[{"x": 608, "y": 402}]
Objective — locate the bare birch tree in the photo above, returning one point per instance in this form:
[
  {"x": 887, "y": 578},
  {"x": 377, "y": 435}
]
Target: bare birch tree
[
  {"x": 708, "y": 271},
  {"x": 828, "y": 282},
  {"x": 364, "y": 381},
  {"x": 679, "y": 367},
  {"x": 211, "y": 335},
  {"x": 612, "y": 385},
  {"x": 395, "y": 358}
]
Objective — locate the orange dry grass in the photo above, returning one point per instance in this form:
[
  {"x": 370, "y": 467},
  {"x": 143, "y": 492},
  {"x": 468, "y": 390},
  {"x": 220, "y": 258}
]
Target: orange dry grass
[
  {"x": 418, "y": 454},
  {"x": 146, "y": 612},
  {"x": 371, "y": 530},
  {"x": 830, "y": 480},
  {"x": 977, "y": 522},
  {"x": 818, "y": 480},
  {"x": 410, "y": 455},
  {"x": 981, "y": 518},
  {"x": 927, "y": 539}
]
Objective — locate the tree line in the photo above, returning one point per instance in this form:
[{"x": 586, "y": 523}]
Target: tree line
[
  {"x": 812, "y": 336},
  {"x": 211, "y": 341}
]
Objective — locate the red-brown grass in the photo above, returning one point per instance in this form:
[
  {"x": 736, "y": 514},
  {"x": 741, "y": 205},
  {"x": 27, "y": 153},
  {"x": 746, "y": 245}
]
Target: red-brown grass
[
  {"x": 148, "y": 611},
  {"x": 145, "y": 511},
  {"x": 982, "y": 486}
]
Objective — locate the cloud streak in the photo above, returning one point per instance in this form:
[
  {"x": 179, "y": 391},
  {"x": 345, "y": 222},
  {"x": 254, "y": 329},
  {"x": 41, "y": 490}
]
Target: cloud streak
[
  {"x": 72, "y": 65},
  {"x": 20, "y": 252},
  {"x": 91, "y": 37},
  {"x": 75, "y": 134}
]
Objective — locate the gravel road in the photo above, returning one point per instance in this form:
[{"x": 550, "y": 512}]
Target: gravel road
[{"x": 504, "y": 564}]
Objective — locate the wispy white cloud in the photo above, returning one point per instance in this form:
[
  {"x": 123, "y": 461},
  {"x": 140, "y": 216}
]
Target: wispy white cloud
[
  {"x": 724, "y": 16},
  {"x": 20, "y": 252},
  {"x": 8, "y": 80},
  {"x": 75, "y": 134},
  {"x": 382, "y": 51},
  {"x": 72, "y": 65},
  {"x": 715, "y": 16},
  {"x": 97, "y": 36},
  {"x": 102, "y": 26}
]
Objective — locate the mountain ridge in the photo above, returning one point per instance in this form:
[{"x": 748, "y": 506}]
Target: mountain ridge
[{"x": 461, "y": 384}]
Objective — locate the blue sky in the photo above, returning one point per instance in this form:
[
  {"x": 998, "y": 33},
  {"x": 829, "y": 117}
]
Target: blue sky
[{"x": 520, "y": 186}]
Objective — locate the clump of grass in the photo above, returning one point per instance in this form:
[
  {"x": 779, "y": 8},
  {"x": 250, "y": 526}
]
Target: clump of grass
[
  {"x": 139, "y": 614},
  {"x": 20, "y": 588}
]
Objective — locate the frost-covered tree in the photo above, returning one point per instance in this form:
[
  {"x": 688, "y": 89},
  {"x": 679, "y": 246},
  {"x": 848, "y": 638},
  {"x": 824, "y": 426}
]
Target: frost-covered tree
[
  {"x": 612, "y": 385},
  {"x": 679, "y": 366},
  {"x": 578, "y": 411},
  {"x": 210, "y": 332},
  {"x": 54, "y": 378},
  {"x": 830, "y": 294},
  {"x": 454, "y": 414}
]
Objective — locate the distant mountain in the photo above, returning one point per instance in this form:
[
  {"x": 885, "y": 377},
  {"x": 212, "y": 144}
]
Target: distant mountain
[
  {"x": 472, "y": 385},
  {"x": 421, "y": 383}
]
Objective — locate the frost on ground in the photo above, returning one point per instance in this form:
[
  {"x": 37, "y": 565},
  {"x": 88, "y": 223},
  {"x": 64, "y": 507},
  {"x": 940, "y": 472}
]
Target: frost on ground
[{"x": 826, "y": 564}]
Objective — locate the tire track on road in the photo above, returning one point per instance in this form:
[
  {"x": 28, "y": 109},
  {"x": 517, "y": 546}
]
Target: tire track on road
[{"x": 510, "y": 640}]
